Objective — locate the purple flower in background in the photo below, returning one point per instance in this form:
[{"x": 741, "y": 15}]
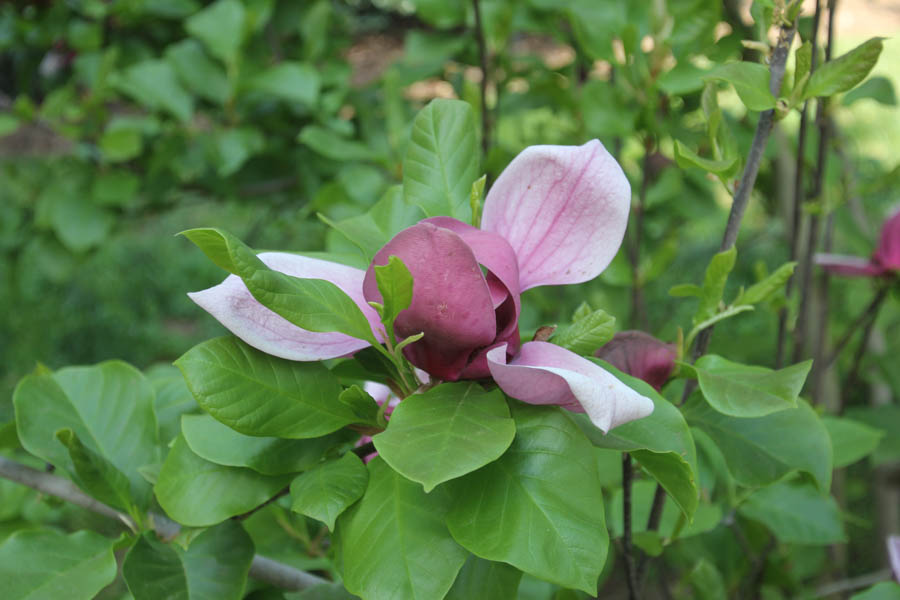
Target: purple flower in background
[
  {"x": 640, "y": 355},
  {"x": 556, "y": 215},
  {"x": 884, "y": 261}
]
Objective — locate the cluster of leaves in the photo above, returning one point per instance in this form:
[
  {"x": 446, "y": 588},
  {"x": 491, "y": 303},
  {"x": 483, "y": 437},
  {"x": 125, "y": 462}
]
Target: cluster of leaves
[{"x": 166, "y": 103}]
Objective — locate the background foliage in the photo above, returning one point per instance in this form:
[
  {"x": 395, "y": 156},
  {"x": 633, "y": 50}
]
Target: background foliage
[{"x": 127, "y": 121}]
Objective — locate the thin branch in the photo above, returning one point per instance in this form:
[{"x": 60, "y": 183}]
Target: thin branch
[
  {"x": 263, "y": 569},
  {"x": 282, "y": 492},
  {"x": 863, "y": 317},
  {"x": 483, "y": 59},
  {"x": 656, "y": 509},
  {"x": 853, "y": 583},
  {"x": 627, "y": 549},
  {"x": 853, "y": 374},
  {"x": 638, "y": 312}
]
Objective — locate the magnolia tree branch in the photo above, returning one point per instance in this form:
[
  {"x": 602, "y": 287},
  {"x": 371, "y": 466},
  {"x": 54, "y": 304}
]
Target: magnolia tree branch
[
  {"x": 263, "y": 569},
  {"x": 627, "y": 554}
]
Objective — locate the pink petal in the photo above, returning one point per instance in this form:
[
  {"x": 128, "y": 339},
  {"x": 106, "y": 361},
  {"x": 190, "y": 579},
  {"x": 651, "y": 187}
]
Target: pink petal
[
  {"x": 563, "y": 209},
  {"x": 544, "y": 373},
  {"x": 893, "y": 544},
  {"x": 887, "y": 254},
  {"x": 850, "y": 266},
  {"x": 451, "y": 300},
  {"x": 640, "y": 355},
  {"x": 234, "y": 307}
]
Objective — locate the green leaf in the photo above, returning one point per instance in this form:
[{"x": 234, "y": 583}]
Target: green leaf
[
  {"x": 47, "y": 565},
  {"x": 672, "y": 524},
  {"x": 395, "y": 283},
  {"x": 362, "y": 404},
  {"x": 475, "y": 199},
  {"x": 442, "y": 159},
  {"x": 154, "y": 84},
  {"x": 539, "y": 507},
  {"x": 214, "y": 567},
  {"x": 749, "y": 391},
  {"x": 803, "y": 60},
  {"x": 686, "y": 290},
  {"x": 79, "y": 224},
  {"x": 109, "y": 407},
  {"x": 233, "y": 147},
  {"x": 661, "y": 442},
  {"x": 587, "y": 332},
  {"x": 262, "y": 395},
  {"x": 706, "y": 581},
  {"x": 326, "y": 491},
  {"x": 886, "y": 590},
  {"x": 220, "y": 26},
  {"x": 686, "y": 158},
  {"x": 796, "y": 514},
  {"x": 97, "y": 476},
  {"x": 750, "y": 81},
  {"x": 884, "y": 418},
  {"x": 373, "y": 229},
  {"x": 714, "y": 280},
  {"x": 217, "y": 443},
  {"x": 323, "y": 591},
  {"x": 768, "y": 287},
  {"x": 8, "y": 124},
  {"x": 120, "y": 144},
  {"x": 759, "y": 452},
  {"x": 289, "y": 81},
  {"x": 173, "y": 399},
  {"x": 197, "y": 72},
  {"x": 851, "y": 439},
  {"x": 115, "y": 188},
  {"x": 448, "y": 431},
  {"x": 312, "y": 304},
  {"x": 879, "y": 89},
  {"x": 330, "y": 145},
  {"x": 844, "y": 72},
  {"x": 415, "y": 557},
  {"x": 198, "y": 493},
  {"x": 481, "y": 578}
]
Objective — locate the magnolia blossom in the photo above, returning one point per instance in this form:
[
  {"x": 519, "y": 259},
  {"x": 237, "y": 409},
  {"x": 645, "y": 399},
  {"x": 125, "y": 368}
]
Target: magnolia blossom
[
  {"x": 884, "y": 261},
  {"x": 640, "y": 355},
  {"x": 556, "y": 215},
  {"x": 893, "y": 545}
]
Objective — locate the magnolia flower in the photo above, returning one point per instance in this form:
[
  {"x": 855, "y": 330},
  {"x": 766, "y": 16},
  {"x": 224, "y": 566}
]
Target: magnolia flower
[
  {"x": 556, "y": 215},
  {"x": 640, "y": 355},
  {"x": 893, "y": 545},
  {"x": 884, "y": 261}
]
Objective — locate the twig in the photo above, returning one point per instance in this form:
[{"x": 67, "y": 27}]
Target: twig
[
  {"x": 482, "y": 56},
  {"x": 638, "y": 313},
  {"x": 853, "y": 583},
  {"x": 864, "y": 316},
  {"x": 263, "y": 569},
  {"x": 853, "y": 374},
  {"x": 656, "y": 509},
  {"x": 796, "y": 212},
  {"x": 364, "y": 450},
  {"x": 283, "y": 492},
  {"x": 628, "y": 556}
]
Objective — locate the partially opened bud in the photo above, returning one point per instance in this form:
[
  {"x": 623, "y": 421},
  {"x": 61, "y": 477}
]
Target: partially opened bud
[
  {"x": 887, "y": 254},
  {"x": 640, "y": 355}
]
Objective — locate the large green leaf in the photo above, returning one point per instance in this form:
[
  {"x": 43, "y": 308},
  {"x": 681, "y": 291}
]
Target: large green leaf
[
  {"x": 540, "y": 506},
  {"x": 442, "y": 159},
  {"x": 448, "y": 431},
  {"x": 328, "y": 490},
  {"x": 480, "y": 578},
  {"x": 312, "y": 304},
  {"x": 661, "y": 442},
  {"x": 796, "y": 514},
  {"x": 762, "y": 450},
  {"x": 48, "y": 565},
  {"x": 108, "y": 406},
  {"x": 221, "y": 27},
  {"x": 173, "y": 399},
  {"x": 262, "y": 395},
  {"x": 414, "y": 556},
  {"x": 750, "y": 81},
  {"x": 851, "y": 440},
  {"x": 199, "y": 493},
  {"x": 749, "y": 391},
  {"x": 217, "y": 443},
  {"x": 214, "y": 567},
  {"x": 844, "y": 72}
]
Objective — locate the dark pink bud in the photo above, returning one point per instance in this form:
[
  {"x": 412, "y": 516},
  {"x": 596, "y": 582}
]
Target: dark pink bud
[
  {"x": 462, "y": 311},
  {"x": 640, "y": 355}
]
